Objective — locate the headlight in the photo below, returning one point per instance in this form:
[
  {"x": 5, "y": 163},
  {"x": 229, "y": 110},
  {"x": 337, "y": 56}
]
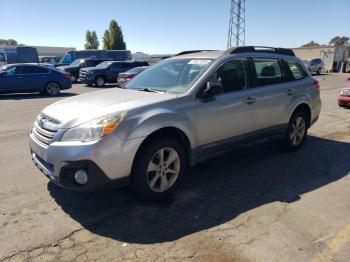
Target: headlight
[{"x": 94, "y": 129}]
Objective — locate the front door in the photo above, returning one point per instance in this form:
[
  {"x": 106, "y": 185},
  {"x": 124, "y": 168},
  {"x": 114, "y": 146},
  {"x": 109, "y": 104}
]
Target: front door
[
  {"x": 230, "y": 115},
  {"x": 12, "y": 79}
]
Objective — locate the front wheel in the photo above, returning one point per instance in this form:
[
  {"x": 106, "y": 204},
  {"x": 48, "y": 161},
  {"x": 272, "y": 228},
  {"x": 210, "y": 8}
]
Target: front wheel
[
  {"x": 52, "y": 89},
  {"x": 319, "y": 71},
  {"x": 296, "y": 132},
  {"x": 99, "y": 81},
  {"x": 158, "y": 169}
]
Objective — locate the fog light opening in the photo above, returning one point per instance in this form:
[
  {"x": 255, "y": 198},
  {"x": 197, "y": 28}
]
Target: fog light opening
[{"x": 81, "y": 177}]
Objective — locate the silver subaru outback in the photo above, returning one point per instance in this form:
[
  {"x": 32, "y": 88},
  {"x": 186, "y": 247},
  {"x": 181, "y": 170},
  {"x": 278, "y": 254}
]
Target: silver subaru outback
[{"x": 179, "y": 112}]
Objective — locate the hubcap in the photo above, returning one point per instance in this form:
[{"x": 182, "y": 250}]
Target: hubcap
[
  {"x": 100, "y": 81},
  {"x": 73, "y": 78},
  {"x": 163, "y": 169},
  {"x": 53, "y": 89},
  {"x": 297, "y": 131}
]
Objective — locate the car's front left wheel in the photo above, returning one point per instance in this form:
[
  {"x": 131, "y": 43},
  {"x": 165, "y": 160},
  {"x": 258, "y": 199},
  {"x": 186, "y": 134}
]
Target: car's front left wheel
[
  {"x": 52, "y": 89},
  {"x": 158, "y": 169}
]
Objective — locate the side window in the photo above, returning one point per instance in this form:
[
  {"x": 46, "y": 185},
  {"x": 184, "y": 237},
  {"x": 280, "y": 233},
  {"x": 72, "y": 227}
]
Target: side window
[
  {"x": 115, "y": 66},
  {"x": 232, "y": 75},
  {"x": 125, "y": 65},
  {"x": 12, "y": 70},
  {"x": 296, "y": 70},
  {"x": 268, "y": 71},
  {"x": 34, "y": 70}
]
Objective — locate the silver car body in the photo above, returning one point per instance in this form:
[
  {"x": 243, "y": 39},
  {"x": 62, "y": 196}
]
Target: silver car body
[{"x": 208, "y": 126}]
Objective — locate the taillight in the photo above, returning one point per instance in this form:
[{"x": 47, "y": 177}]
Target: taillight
[
  {"x": 316, "y": 84},
  {"x": 130, "y": 77},
  {"x": 349, "y": 78}
]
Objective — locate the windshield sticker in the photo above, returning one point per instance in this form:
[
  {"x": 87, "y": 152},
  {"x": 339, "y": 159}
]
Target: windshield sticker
[{"x": 199, "y": 62}]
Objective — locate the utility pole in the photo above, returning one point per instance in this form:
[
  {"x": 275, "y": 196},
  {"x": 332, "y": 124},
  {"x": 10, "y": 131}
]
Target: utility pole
[{"x": 236, "y": 32}]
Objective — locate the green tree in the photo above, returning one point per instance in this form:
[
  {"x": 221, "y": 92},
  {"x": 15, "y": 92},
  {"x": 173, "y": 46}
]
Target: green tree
[
  {"x": 95, "y": 42},
  {"x": 311, "y": 44},
  {"x": 106, "y": 40},
  {"x": 339, "y": 40},
  {"x": 91, "y": 40},
  {"x": 8, "y": 42},
  {"x": 113, "y": 38}
]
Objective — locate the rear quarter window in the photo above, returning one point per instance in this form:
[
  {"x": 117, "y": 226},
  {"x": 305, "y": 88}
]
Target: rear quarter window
[{"x": 296, "y": 70}]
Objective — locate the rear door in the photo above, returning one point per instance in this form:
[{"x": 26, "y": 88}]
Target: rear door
[
  {"x": 35, "y": 77},
  {"x": 114, "y": 70},
  {"x": 272, "y": 92}
]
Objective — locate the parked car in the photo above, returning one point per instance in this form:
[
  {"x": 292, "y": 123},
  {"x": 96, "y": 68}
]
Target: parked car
[
  {"x": 18, "y": 54},
  {"x": 314, "y": 65},
  {"x": 49, "y": 59},
  {"x": 25, "y": 78},
  {"x": 125, "y": 77},
  {"x": 344, "y": 97},
  {"x": 107, "y": 72},
  {"x": 73, "y": 69},
  {"x": 113, "y": 55},
  {"x": 179, "y": 112}
]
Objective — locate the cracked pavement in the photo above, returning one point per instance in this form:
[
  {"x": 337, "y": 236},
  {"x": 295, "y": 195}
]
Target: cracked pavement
[{"x": 256, "y": 203}]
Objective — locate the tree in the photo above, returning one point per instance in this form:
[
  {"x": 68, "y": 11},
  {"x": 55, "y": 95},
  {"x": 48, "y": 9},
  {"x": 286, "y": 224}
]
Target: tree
[
  {"x": 106, "y": 40},
  {"x": 8, "y": 42},
  {"x": 113, "y": 38},
  {"x": 91, "y": 40},
  {"x": 311, "y": 44},
  {"x": 339, "y": 40}
]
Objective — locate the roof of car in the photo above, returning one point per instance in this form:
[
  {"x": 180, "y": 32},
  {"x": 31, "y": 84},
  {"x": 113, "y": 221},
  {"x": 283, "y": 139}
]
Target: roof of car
[{"x": 201, "y": 55}]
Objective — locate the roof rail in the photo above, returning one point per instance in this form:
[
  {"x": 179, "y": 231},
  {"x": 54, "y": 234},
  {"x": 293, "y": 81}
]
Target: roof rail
[
  {"x": 260, "y": 49},
  {"x": 192, "y": 51}
]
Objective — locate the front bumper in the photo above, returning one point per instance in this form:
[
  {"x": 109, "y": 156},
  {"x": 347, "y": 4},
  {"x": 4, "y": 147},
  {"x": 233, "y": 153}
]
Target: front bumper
[
  {"x": 344, "y": 101},
  {"x": 106, "y": 161}
]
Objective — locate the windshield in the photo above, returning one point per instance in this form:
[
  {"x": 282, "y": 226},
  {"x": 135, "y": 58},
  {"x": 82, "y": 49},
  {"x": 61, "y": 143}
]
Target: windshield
[
  {"x": 104, "y": 64},
  {"x": 173, "y": 76}
]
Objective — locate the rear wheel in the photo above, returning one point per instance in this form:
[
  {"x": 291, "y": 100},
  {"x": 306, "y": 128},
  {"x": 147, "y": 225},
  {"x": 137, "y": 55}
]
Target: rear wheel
[
  {"x": 296, "y": 132},
  {"x": 99, "y": 81},
  {"x": 52, "y": 89},
  {"x": 158, "y": 169}
]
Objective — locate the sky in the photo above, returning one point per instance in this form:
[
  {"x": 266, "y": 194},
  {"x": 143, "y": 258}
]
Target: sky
[{"x": 170, "y": 26}]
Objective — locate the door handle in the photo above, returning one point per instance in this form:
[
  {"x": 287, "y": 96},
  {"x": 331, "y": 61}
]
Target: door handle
[
  {"x": 290, "y": 92},
  {"x": 250, "y": 100}
]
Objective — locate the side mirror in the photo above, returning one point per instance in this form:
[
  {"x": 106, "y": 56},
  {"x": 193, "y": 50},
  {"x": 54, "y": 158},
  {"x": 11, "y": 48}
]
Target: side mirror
[{"x": 211, "y": 90}]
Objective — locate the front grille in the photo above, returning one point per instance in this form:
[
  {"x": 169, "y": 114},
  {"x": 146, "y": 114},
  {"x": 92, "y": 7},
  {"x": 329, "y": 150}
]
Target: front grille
[
  {"x": 44, "y": 129},
  {"x": 82, "y": 74}
]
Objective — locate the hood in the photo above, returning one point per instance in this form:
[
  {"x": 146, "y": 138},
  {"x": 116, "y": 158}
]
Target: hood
[{"x": 83, "y": 108}]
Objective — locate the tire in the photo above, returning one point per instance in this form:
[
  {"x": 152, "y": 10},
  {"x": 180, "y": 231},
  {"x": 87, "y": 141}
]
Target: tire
[
  {"x": 89, "y": 85},
  {"x": 52, "y": 89},
  {"x": 318, "y": 71},
  {"x": 296, "y": 131},
  {"x": 99, "y": 81},
  {"x": 73, "y": 78},
  {"x": 150, "y": 178}
]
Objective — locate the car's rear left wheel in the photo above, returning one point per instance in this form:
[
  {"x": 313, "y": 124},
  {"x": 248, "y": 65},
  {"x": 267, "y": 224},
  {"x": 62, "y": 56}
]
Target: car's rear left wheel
[
  {"x": 52, "y": 89},
  {"x": 158, "y": 169},
  {"x": 296, "y": 132}
]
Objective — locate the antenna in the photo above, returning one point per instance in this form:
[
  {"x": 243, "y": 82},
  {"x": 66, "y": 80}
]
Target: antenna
[{"x": 236, "y": 32}]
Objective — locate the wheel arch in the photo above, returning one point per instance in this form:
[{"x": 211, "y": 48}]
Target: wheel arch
[{"x": 303, "y": 107}]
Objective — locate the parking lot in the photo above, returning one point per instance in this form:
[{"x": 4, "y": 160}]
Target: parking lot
[{"x": 256, "y": 203}]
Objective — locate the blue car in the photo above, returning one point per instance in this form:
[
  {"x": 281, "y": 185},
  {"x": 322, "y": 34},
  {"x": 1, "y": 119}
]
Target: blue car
[{"x": 25, "y": 78}]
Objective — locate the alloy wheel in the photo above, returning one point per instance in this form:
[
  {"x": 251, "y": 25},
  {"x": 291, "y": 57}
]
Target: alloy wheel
[
  {"x": 297, "y": 131},
  {"x": 53, "y": 89},
  {"x": 163, "y": 169}
]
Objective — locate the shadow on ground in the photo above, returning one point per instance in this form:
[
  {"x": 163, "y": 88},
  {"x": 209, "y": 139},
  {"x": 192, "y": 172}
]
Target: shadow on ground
[
  {"x": 33, "y": 96},
  {"x": 213, "y": 193}
]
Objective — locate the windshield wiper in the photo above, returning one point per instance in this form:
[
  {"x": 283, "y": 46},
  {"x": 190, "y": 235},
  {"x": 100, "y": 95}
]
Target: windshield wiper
[{"x": 151, "y": 90}]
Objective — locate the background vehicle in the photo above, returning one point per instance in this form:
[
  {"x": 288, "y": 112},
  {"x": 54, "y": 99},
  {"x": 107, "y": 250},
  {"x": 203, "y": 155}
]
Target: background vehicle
[
  {"x": 344, "y": 97},
  {"x": 107, "y": 72},
  {"x": 123, "y": 78},
  {"x": 18, "y": 54},
  {"x": 24, "y": 78},
  {"x": 73, "y": 69},
  {"x": 314, "y": 66},
  {"x": 183, "y": 110},
  {"x": 49, "y": 59},
  {"x": 113, "y": 55}
]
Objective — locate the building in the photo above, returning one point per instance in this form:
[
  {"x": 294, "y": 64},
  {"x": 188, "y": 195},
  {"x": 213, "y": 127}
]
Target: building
[
  {"x": 332, "y": 56},
  {"x": 53, "y": 51}
]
